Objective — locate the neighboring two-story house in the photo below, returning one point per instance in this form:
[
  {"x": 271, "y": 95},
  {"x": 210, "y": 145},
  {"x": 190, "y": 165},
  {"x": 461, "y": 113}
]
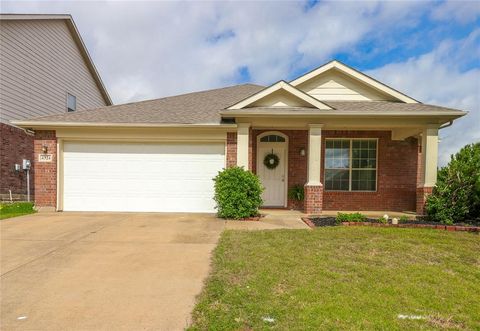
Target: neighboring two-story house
[{"x": 45, "y": 69}]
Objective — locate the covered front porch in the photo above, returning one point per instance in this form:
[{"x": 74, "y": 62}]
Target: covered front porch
[{"x": 369, "y": 168}]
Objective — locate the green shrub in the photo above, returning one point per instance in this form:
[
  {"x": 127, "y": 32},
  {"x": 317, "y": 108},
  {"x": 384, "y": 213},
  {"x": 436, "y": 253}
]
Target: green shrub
[
  {"x": 456, "y": 197},
  {"x": 16, "y": 207},
  {"x": 382, "y": 220},
  {"x": 354, "y": 217},
  {"x": 403, "y": 219},
  {"x": 296, "y": 193},
  {"x": 237, "y": 193}
]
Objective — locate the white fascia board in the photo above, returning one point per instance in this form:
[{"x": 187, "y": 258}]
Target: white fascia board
[
  {"x": 38, "y": 124},
  {"x": 356, "y": 75},
  {"x": 281, "y": 85},
  {"x": 333, "y": 113}
]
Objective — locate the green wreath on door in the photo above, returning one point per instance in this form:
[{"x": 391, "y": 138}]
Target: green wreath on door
[{"x": 271, "y": 161}]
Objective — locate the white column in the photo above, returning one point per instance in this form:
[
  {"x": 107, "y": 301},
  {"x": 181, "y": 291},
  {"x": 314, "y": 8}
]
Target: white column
[
  {"x": 242, "y": 144},
  {"x": 314, "y": 153},
  {"x": 429, "y": 155}
]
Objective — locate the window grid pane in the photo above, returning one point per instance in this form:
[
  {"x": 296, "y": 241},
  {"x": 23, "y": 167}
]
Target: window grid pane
[
  {"x": 350, "y": 164},
  {"x": 337, "y": 165},
  {"x": 272, "y": 139}
]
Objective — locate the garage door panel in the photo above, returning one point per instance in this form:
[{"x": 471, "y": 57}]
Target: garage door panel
[{"x": 141, "y": 177}]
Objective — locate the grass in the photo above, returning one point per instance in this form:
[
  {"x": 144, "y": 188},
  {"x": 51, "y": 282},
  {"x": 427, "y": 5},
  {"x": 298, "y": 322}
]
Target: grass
[
  {"x": 9, "y": 210},
  {"x": 342, "y": 278}
]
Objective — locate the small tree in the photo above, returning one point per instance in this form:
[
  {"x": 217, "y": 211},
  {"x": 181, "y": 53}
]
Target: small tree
[
  {"x": 456, "y": 197},
  {"x": 237, "y": 193}
]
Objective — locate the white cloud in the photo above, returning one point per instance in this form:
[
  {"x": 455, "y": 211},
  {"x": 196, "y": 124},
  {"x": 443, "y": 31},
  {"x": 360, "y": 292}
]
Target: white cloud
[
  {"x": 460, "y": 11},
  {"x": 439, "y": 78},
  {"x": 153, "y": 49},
  {"x": 168, "y": 48}
]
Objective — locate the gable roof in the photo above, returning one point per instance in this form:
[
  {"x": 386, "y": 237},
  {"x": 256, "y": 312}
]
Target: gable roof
[
  {"x": 206, "y": 108},
  {"x": 280, "y": 86},
  {"x": 76, "y": 37},
  {"x": 356, "y": 75}
]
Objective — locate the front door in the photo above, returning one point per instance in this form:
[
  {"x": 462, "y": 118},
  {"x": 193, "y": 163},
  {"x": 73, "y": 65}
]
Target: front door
[{"x": 273, "y": 175}]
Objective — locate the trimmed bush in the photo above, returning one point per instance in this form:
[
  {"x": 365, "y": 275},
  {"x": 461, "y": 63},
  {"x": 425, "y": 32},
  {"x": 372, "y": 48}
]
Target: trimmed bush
[
  {"x": 237, "y": 193},
  {"x": 354, "y": 217},
  {"x": 456, "y": 197}
]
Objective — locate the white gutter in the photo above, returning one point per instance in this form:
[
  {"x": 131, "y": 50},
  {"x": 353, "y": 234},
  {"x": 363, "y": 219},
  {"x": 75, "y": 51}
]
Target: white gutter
[
  {"x": 330, "y": 113},
  {"x": 33, "y": 124}
]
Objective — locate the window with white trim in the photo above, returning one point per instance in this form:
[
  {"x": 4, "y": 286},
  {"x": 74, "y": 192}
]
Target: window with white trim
[{"x": 351, "y": 164}]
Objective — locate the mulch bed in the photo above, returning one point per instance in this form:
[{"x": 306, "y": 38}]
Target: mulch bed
[{"x": 330, "y": 221}]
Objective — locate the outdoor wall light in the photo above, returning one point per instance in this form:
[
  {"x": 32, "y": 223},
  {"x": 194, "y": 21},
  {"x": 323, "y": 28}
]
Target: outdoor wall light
[
  {"x": 302, "y": 151},
  {"x": 44, "y": 149}
]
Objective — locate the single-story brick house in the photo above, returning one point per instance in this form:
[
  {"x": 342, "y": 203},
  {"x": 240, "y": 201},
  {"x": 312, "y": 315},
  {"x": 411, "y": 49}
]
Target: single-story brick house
[{"x": 352, "y": 142}]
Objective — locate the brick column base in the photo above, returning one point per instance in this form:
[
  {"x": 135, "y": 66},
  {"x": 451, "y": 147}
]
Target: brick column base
[
  {"x": 45, "y": 172},
  {"x": 313, "y": 199},
  {"x": 422, "y": 194}
]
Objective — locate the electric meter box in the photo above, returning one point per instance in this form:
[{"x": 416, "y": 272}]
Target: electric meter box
[{"x": 26, "y": 164}]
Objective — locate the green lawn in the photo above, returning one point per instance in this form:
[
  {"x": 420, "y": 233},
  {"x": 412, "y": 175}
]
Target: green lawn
[
  {"x": 348, "y": 278},
  {"x": 9, "y": 210}
]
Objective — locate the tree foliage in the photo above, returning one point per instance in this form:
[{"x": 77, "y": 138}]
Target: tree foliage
[{"x": 456, "y": 197}]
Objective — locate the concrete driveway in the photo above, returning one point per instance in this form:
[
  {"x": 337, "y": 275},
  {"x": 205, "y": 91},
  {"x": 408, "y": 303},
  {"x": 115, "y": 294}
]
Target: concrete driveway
[{"x": 103, "y": 271}]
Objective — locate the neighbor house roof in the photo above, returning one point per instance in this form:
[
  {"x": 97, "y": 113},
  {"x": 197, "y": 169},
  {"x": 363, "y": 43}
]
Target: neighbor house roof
[{"x": 76, "y": 37}]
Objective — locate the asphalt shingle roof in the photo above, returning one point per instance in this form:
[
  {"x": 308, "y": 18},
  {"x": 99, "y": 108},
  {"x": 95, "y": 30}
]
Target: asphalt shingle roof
[
  {"x": 205, "y": 107},
  {"x": 192, "y": 108}
]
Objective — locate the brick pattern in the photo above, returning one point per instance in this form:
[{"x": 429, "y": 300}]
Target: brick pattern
[
  {"x": 422, "y": 195},
  {"x": 231, "y": 149},
  {"x": 297, "y": 164},
  {"x": 396, "y": 175},
  {"x": 15, "y": 146},
  {"x": 313, "y": 199},
  {"x": 45, "y": 172}
]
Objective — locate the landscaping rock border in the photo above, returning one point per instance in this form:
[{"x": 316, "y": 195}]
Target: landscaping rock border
[{"x": 312, "y": 222}]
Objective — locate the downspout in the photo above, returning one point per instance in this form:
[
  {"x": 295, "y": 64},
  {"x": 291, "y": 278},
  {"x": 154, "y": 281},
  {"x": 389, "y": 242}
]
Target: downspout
[{"x": 446, "y": 125}]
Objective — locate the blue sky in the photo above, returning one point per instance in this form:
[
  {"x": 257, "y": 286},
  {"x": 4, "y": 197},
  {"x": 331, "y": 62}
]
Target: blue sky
[{"x": 428, "y": 50}]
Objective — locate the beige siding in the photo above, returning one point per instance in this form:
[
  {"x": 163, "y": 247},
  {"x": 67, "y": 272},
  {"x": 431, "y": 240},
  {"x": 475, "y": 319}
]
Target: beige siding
[
  {"x": 40, "y": 64},
  {"x": 333, "y": 85},
  {"x": 280, "y": 99}
]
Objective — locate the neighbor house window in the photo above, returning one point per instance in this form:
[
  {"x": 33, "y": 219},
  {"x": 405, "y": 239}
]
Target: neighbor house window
[
  {"x": 71, "y": 102},
  {"x": 351, "y": 164}
]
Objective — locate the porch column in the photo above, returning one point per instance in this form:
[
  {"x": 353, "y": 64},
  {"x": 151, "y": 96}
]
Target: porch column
[
  {"x": 242, "y": 144},
  {"x": 428, "y": 169},
  {"x": 313, "y": 187}
]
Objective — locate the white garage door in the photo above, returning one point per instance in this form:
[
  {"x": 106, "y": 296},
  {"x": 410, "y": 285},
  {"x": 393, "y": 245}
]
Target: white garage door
[{"x": 166, "y": 177}]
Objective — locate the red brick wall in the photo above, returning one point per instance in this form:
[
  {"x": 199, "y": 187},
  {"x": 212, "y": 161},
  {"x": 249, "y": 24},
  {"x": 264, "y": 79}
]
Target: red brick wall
[
  {"x": 45, "y": 172},
  {"x": 15, "y": 146},
  {"x": 313, "y": 199},
  {"x": 231, "y": 149},
  {"x": 422, "y": 194},
  {"x": 297, "y": 164},
  {"x": 396, "y": 175}
]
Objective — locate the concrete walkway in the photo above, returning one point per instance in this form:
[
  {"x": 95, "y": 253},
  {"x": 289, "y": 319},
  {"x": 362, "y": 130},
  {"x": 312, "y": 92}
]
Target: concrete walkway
[
  {"x": 274, "y": 219},
  {"x": 109, "y": 271}
]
